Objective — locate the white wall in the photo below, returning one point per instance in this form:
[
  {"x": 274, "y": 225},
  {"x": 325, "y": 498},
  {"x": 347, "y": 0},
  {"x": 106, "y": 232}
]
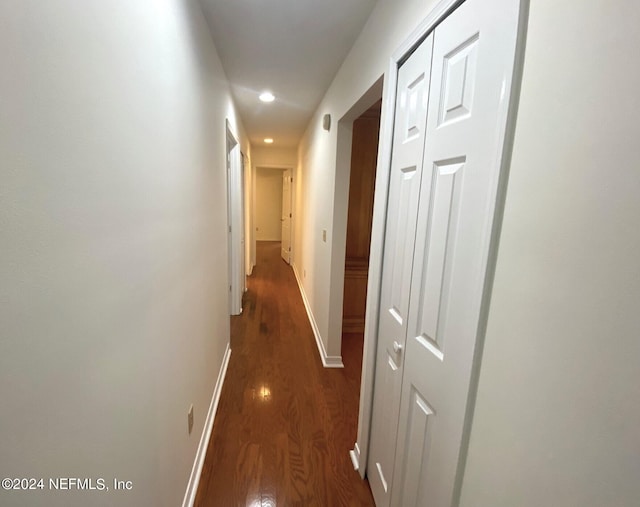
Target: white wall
[
  {"x": 558, "y": 407},
  {"x": 273, "y": 156},
  {"x": 113, "y": 266},
  {"x": 390, "y": 23},
  {"x": 268, "y": 204}
]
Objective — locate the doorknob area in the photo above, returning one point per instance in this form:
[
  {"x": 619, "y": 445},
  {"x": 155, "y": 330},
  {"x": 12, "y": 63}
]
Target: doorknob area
[{"x": 397, "y": 347}]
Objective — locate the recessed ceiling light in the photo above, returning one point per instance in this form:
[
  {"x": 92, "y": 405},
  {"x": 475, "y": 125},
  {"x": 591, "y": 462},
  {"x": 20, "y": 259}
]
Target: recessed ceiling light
[
  {"x": 268, "y": 140},
  {"x": 267, "y": 97}
]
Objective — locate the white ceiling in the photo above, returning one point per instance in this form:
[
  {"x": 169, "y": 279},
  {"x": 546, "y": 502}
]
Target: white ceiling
[{"x": 292, "y": 48}]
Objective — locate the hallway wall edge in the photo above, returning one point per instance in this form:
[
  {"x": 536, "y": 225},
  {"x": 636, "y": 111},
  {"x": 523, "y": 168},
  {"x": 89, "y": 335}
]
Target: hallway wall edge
[{"x": 327, "y": 361}]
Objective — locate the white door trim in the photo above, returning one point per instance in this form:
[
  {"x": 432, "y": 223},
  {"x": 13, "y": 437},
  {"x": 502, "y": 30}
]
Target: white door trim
[
  {"x": 341, "y": 214},
  {"x": 359, "y": 454},
  {"x": 249, "y": 216},
  {"x": 287, "y": 175},
  {"x": 235, "y": 220}
]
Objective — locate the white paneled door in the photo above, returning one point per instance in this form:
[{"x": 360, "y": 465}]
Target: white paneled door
[
  {"x": 286, "y": 216},
  {"x": 416, "y": 448},
  {"x": 402, "y": 214}
]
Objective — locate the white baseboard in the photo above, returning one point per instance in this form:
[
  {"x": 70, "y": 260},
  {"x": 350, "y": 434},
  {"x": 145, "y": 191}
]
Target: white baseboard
[
  {"x": 355, "y": 457},
  {"x": 327, "y": 361},
  {"x": 196, "y": 471}
]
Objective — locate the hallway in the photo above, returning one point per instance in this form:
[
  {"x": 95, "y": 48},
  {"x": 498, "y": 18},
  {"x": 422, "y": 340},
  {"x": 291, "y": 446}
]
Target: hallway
[{"x": 284, "y": 424}]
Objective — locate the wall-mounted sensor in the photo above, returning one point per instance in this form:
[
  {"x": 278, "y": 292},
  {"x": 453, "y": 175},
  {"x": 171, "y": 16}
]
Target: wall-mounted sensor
[{"x": 326, "y": 122}]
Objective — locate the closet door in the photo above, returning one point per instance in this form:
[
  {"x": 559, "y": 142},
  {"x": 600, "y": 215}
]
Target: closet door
[
  {"x": 402, "y": 215},
  {"x": 471, "y": 75}
]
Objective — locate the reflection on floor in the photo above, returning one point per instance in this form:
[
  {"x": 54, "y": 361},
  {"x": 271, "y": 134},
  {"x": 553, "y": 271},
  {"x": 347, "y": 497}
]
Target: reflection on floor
[{"x": 285, "y": 424}]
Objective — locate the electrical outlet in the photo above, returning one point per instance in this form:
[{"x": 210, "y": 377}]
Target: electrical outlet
[
  {"x": 190, "y": 418},
  {"x": 324, "y": 235}
]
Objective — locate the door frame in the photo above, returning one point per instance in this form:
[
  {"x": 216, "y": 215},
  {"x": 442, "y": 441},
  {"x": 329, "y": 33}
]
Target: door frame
[
  {"x": 282, "y": 167},
  {"x": 342, "y": 176},
  {"x": 288, "y": 172},
  {"x": 247, "y": 178},
  {"x": 235, "y": 221},
  {"x": 359, "y": 455}
]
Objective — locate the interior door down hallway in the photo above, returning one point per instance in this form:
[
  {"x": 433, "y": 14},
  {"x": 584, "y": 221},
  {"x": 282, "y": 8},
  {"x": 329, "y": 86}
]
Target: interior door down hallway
[{"x": 287, "y": 215}]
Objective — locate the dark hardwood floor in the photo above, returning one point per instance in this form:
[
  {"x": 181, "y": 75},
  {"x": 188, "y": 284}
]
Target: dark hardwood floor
[{"x": 285, "y": 423}]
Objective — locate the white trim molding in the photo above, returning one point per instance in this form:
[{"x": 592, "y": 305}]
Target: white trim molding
[
  {"x": 355, "y": 456},
  {"x": 327, "y": 361},
  {"x": 235, "y": 218},
  {"x": 196, "y": 471}
]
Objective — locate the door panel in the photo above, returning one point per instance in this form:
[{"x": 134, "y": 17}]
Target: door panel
[
  {"x": 473, "y": 53},
  {"x": 416, "y": 447},
  {"x": 404, "y": 189},
  {"x": 408, "y": 184},
  {"x": 286, "y": 216},
  {"x": 444, "y": 200},
  {"x": 458, "y": 81}
]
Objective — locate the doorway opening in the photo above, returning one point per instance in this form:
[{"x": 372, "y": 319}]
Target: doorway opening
[
  {"x": 364, "y": 153},
  {"x": 273, "y": 214},
  {"x": 235, "y": 220},
  {"x": 344, "y": 151},
  {"x": 357, "y": 138}
]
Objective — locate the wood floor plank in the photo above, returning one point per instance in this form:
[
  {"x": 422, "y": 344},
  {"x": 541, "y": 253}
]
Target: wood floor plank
[{"x": 285, "y": 424}]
